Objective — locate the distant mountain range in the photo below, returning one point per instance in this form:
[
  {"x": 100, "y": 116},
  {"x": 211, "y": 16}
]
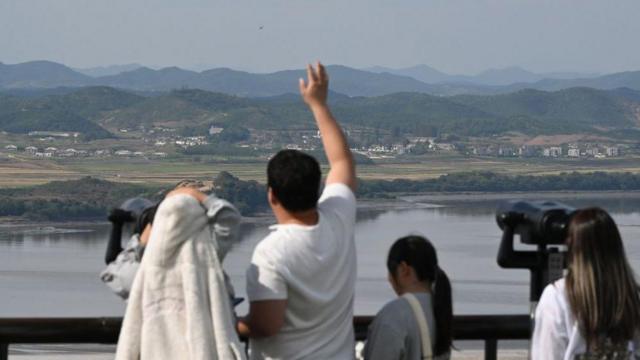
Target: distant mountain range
[
  {"x": 491, "y": 77},
  {"x": 40, "y": 74},
  {"x": 98, "y": 112},
  {"x": 108, "y": 70},
  {"x": 349, "y": 81}
]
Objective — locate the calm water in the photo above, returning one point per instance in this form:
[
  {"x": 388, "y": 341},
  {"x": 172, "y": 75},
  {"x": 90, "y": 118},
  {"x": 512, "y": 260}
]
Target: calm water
[{"x": 57, "y": 274}]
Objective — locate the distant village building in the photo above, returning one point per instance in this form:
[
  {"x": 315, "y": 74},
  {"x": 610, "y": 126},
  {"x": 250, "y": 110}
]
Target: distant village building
[
  {"x": 527, "y": 151},
  {"x": 492, "y": 150},
  {"x": 11, "y": 148},
  {"x": 592, "y": 151},
  {"x": 214, "y": 130},
  {"x": 50, "y": 151},
  {"x": 31, "y": 150},
  {"x": 612, "y": 151},
  {"x": 479, "y": 150},
  {"x": 123, "y": 153},
  {"x": 573, "y": 152},
  {"x": 445, "y": 146},
  {"x": 69, "y": 152},
  {"x": 420, "y": 139},
  {"x": 554, "y": 151},
  {"x": 505, "y": 151},
  {"x": 400, "y": 149}
]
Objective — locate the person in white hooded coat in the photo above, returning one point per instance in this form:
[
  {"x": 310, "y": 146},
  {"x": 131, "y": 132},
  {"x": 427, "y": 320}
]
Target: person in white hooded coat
[{"x": 179, "y": 307}]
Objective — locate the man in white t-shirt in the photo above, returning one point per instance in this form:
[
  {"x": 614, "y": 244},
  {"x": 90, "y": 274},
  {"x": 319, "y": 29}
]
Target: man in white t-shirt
[{"x": 302, "y": 275}]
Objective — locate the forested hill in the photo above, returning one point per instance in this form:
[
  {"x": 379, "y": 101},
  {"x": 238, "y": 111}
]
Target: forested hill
[
  {"x": 93, "y": 110},
  {"x": 90, "y": 198},
  {"x": 83, "y": 199}
]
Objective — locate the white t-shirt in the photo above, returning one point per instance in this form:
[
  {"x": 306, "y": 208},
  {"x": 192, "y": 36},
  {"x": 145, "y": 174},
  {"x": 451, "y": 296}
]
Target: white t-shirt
[
  {"x": 556, "y": 334},
  {"x": 314, "y": 269}
]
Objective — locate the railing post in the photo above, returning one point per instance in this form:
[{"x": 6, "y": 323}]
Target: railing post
[
  {"x": 490, "y": 349},
  {"x": 4, "y": 351}
]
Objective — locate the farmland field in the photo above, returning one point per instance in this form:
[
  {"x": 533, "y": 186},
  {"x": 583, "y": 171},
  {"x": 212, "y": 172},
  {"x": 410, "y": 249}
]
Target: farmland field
[{"x": 22, "y": 171}]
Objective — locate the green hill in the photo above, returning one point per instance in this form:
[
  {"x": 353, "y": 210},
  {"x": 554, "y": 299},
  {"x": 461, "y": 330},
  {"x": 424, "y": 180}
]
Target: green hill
[
  {"x": 570, "y": 107},
  {"x": 173, "y": 110},
  {"x": 533, "y": 112},
  {"x": 40, "y": 74},
  {"x": 48, "y": 119},
  {"x": 418, "y": 114},
  {"x": 92, "y": 101},
  {"x": 21, "y": 116},
  {"x": 83, "y": 199}
]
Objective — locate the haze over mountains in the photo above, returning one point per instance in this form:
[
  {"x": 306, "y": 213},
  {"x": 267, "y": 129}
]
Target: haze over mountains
[
  {"x": 108, "y": 70},
  {"x": 491, "y": 77},
  {"x": 376, "y": 81}
]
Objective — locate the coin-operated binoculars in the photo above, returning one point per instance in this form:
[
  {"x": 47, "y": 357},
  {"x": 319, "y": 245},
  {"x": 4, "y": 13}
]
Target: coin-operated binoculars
[{"x": 542, "y": 224}]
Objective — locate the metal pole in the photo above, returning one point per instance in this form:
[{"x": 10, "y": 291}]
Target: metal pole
[
  {"x": 4, "y": 351},
  {"x": 490, "y": 349}
]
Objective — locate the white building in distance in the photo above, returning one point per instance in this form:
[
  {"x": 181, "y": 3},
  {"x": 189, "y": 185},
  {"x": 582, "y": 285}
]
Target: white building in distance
[
  {"x": 573, "y": 153},
  {"x": 612, "y": 151},
  {"x": 554, "y": 151}
]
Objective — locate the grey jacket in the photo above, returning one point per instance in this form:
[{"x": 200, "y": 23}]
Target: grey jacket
[{"x": 224, "y": 224}]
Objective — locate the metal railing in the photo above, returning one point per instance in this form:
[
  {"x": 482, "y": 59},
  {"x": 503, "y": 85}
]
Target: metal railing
[{"x": 487, "y": 328}]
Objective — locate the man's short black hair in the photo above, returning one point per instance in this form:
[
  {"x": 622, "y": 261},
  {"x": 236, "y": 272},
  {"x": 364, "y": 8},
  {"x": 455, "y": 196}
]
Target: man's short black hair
[{"x": 294, "y": 179}]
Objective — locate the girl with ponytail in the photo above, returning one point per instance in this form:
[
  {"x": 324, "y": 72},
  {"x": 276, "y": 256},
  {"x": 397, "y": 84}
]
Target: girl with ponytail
[{"x": 417, "y": 325}]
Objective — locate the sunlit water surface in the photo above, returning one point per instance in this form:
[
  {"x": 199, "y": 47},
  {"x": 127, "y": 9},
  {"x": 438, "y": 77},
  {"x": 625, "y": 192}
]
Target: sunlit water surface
[{"x": 45, "y": 274}]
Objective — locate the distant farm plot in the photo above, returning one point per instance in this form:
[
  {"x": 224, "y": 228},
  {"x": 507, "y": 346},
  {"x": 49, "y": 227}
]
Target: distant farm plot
[{"x": 23, "y": 171}]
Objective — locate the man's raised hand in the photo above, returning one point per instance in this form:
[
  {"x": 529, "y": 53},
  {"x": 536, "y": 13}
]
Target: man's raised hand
[{"x": 314, "y": 91}]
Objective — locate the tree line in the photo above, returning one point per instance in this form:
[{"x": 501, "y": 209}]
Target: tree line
[{"x": 91, "y": 199}]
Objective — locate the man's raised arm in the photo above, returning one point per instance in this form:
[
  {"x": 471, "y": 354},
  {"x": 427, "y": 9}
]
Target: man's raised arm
[{"x": 314, "y": 92}]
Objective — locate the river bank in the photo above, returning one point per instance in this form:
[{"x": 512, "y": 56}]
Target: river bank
[{"x": 404, "y": 201}]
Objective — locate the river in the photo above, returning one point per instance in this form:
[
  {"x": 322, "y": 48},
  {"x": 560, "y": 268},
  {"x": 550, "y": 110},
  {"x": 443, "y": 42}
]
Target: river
[{"x": 54, "y": 272}]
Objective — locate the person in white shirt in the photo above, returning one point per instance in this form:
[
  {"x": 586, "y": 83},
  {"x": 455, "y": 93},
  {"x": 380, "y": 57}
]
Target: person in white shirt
[
  {"x": 594, "y": 311},
  {"x": 302, "y": 276}
]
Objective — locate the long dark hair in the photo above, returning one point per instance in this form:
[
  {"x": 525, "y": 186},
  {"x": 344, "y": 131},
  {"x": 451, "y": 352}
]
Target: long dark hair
[
  {"x": 419, "y": 253},
  {"x": 601, "y": 288}
]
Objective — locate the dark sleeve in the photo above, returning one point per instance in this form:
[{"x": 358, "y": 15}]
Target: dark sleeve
[
  {"x": 383, "y": 343},
  {"x": 117, "y": 217}
]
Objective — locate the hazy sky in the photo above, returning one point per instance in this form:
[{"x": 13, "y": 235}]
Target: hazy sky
[{"x": 456, "y": 36}]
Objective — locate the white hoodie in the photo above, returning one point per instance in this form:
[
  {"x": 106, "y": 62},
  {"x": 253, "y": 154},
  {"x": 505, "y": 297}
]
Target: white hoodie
[{"x": 179, "y": 307}]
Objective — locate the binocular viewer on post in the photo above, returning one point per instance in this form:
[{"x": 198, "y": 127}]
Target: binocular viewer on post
[{"x": 539, "y": 223}]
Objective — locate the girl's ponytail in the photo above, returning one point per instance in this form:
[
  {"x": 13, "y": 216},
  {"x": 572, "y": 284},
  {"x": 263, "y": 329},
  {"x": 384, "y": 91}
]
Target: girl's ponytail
[{"x": 443, "y": 312}]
